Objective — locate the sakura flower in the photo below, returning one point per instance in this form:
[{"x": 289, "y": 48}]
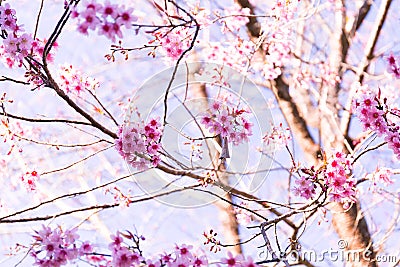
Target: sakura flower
[
  {"x": 150, "y": 263},
  {"x": 11, "y": 44},
  {"x": 57, "y": 247},
  {"x": 108, "y": 19},
  {"x": 90, "y": 21},
  {"x": 139, "y": 144},
  {"x": 70, "y": 236},
  {"x": 183, "y": 251},
  {"x": 29, "y": 180},
  {"x": 116, "y": 241},
  {"x": 231, "y": 260},
  {"x": 8, "y": 20},
  {"x": 382, "y": 175},
  {"x": 200, "y": 261},
  {"x": 72, "y": 80},
  {"x": 173, "y": 42},
  {"x": 123, "y": 257},
  {"x": 93, "y": 5},
  {"x": 85, "y": 248},
  {"x": 126, "y": 18},
  {"x": 305, "y": 188},
  {"x": 341, "y": 187},
  {"x": 109, "y": 10},
  {"x": 234, "y": 18},
  {"x": 375, "y": 114},
  {"x": 393, "y": 66},
  {"x": 228, "y": 121},
  {"x": 279, "y": 136}
]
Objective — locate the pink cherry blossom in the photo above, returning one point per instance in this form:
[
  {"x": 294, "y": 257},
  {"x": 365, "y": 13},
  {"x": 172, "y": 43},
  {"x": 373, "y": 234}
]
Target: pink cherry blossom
[
  {"x": 183, "y": 251},
  {"x": 173, "y": 42},
  {"x": 139, "y": 143},
  {"x": 109, "y": 10},
  {"x": 93, "y": 5},
  {"x": 341, "y": 187},
  {"x": 29, "y": 180},
  {"x": 231, "y": 260},
  {"x": 234, "y": 54},
  {"x": 234, "y": 18},
  {"x": 126, "y": 17},
  {"x": 393, "y": 66},
  {"x": 375, "y": 114},
  {"x": 90, "y": 21},
  {"x": 72, "y": 80},
  {"x": 57, "y": 247},
  {"x": 382, "y": 175},
  {"x": 304, "y": 188},
  {"x": 227, "y": 120},
  {"x": 151, "y": 263},
  {"x": 8, "y": 19},
  {"x": 200, "y": 261},
  {"x": 108, "y": 19},
  {"x": 278, "y": 136}
]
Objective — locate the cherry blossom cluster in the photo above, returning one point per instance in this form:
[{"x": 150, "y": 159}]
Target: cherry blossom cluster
[
  {"x": 29, "y": 180},
  {"x": 73, "y": 80},
  {"x": 234, "y": 54},
  {"x": 278, "y": 136},
  {"x": 200, "y": 14},
  {"x": 122, "y": 255},
  {"x": 35, "y": 77},
  {"x": 339, "y": 183},
  {"x": 370, "y": 112},
  {"x": 334, "y": 177},
  {"x": 58, "y": 247},
  {"x": 108, "y": 19},
  {"x": 183, "y": 256},
  {"x": 278, "y": 44},
  {"x": 173, "y": 43},
  {"x": 305, "y": 187},
  {"x": 15, "y": 46},
  {"x": 382, "y": 175},
  {"x": 375, "y": 115},
  {"x": 8, "y": 19},
  {"x": 139, "y": 144},
  {"x": 393, "y": 67},
  {"x": 126, "y": 256},
  {"x": 278, "y": 54},
  {"x": 228, "y": 121},
  {"x": 238, "y": 261},
  {"x": 234, "y": 18}
]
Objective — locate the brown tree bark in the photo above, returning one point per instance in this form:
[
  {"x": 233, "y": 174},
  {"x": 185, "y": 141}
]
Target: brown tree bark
[{"x": 350, "y": 224}]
